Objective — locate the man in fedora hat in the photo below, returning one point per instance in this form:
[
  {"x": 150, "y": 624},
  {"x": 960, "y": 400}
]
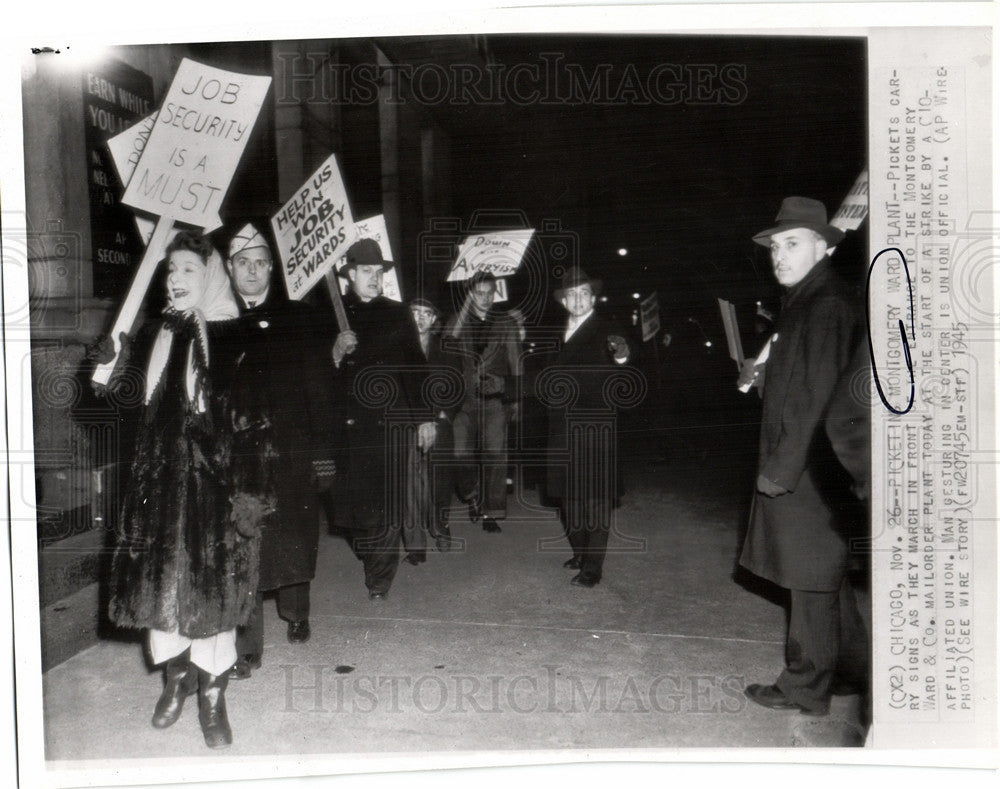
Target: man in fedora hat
[
  {"x": 379, "y": 379},
  {"x": 795, "y": 538},
  {"x": 488, "y": 341},
  {"x": 582, "y": 470},
  {"x": 291, "y": 369}
]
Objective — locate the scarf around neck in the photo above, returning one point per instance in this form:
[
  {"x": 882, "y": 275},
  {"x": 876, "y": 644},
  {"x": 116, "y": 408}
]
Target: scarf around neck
[{"x": 216, "y": 304}]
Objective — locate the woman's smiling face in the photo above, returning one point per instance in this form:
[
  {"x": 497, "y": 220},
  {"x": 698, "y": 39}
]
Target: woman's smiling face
[{"x": 186, "y": 279}]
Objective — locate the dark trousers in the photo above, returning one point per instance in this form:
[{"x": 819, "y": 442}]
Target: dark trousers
[
  {"x": 827, "y": 640},
  {"x": 293, "y": 606},
  {"x": 377, "y": 547},
  {"x": 378, "y": 551},
  {"x": 481, "y": 427},
  {"x": 587, "y": 522},
  {"x": 428, "y": 491}
]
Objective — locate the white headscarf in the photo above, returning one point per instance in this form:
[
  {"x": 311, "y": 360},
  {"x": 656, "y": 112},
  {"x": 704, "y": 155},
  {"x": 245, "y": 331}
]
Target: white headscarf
[{"x": 216, "y": 304}]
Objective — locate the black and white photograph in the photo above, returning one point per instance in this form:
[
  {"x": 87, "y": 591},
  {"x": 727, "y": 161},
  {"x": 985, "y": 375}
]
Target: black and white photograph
[{"x": 457, "y": 398}]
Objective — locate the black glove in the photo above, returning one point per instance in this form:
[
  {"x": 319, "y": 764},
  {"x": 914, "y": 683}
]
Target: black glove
[{"x": 103, "y": 352}]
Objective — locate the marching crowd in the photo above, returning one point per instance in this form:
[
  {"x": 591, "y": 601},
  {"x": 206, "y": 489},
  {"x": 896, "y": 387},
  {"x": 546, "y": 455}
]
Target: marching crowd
[{"x": 260, "y": 412}]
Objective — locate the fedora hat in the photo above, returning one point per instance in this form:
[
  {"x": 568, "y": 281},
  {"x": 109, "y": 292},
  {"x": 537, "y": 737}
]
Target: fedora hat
[
  {"x": 573, "y": 278},
  {"x": 801, "y": 212},
  {"x": 365, "y": 252}
]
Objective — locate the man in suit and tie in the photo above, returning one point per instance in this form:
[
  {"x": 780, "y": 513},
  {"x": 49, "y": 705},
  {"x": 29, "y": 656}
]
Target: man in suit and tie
[
  {"x": 583, "y": 469},
  {"x": 293, "y": 371}
]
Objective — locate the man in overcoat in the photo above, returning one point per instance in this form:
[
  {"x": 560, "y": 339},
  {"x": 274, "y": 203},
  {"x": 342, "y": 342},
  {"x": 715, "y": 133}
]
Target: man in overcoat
[
  {"x": 292, "y": 370},
  {"x": 795, "y": 538},
  {"x": 378, "y": 383},
  {"x": 488, "y": 341},
  {"x": 583, "y": 459}
]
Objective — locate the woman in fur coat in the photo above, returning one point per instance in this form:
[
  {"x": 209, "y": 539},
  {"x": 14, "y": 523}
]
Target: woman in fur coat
[{"x": 186, "y": 563}]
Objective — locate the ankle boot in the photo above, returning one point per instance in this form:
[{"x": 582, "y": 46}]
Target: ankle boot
[
  {"x": 181, "y": 682},
  {"x": 212, "y": 709}
]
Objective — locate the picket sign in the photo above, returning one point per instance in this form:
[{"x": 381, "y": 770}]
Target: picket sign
[
  {"x": 854, "y": 209},
  {"x": 185, "y": 166},
  {"x": 499, "y": 253},
  {"x": 313, "y": 228}
]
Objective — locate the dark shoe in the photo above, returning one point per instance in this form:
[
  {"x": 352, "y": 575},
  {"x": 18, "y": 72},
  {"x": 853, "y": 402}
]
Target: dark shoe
[
  {"x": 299, "y": 632},
  {"x": 491, "y": 526},
  {"x": 771, "y": 697},
  {"x": 374, "y": 594},
  {"x": 585, "y": 580},
  {"x": 244, "y": 666},
  {"x": 181, "y": 682},
  {"x": 212, "y": 709},
  {"x": 417, "y": 557},
  {"x": 574, "y": 563}
]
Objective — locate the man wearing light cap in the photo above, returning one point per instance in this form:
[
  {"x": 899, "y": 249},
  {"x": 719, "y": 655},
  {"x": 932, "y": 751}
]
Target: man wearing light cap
[
  {"x": 795, "y": 538},
  {"x": 293, "y": 372},
  {"x": 378, "y": 382}
]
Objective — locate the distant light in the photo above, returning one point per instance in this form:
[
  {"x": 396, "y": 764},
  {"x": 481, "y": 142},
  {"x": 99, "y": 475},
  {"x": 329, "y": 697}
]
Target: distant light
[
  {"x": 636, "y": 295},
  {"x": 708, "y": 343},
  {"x": 603, "y": 299},
  {"x": 622, "y": 251}
]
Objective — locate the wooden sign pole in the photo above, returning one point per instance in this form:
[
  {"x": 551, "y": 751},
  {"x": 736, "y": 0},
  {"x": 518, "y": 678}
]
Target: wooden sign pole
[
  {"x": 136, "y": 293},
  {"x": 338, "y": 303}
]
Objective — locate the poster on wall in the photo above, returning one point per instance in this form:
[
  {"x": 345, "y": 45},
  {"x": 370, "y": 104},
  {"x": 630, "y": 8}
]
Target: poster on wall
[{"x": 115, "y": 96}]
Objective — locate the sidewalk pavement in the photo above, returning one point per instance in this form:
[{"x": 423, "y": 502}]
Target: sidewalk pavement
[{"x": 487, "y": 648}]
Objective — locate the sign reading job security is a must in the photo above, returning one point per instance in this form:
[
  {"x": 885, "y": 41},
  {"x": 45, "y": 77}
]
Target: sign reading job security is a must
[{"x": 196, "y": 143}]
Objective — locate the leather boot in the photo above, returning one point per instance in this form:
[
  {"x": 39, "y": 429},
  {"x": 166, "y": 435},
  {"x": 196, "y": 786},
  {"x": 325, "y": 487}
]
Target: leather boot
[
  {"x": 181, "y": 682},
  {"x": 212, "y": 709}
]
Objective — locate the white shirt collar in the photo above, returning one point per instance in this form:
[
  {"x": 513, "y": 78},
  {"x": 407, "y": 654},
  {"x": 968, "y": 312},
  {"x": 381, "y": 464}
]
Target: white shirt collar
[{"x": 575, "y": 323}]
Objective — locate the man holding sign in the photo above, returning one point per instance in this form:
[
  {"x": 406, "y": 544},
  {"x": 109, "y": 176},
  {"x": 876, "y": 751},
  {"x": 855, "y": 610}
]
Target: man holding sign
[
  {"x": 490, "y": 348},
  {"x": 379, "y": 377}
]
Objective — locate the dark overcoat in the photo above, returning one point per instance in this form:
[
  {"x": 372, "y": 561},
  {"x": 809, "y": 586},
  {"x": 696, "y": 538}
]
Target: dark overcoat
[
  {"x": 579, "y": 385},
  {"x": 180, "y": 561},
  {"x": 377, "y": 399},
  {"x": 288, "y": 358},
  {"x": 795, "y": 540}
]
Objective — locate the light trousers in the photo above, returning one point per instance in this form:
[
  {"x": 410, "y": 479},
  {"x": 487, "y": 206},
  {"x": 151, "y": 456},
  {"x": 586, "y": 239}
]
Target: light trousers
[{"x": 215, "y": 654}]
